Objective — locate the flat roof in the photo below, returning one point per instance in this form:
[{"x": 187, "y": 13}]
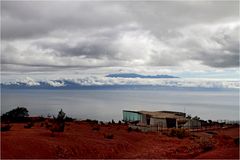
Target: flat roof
[
  {"x": 132, "y": 111},
  {"x": 164, "y": 114},
  {"x": 160, "y": 114}
]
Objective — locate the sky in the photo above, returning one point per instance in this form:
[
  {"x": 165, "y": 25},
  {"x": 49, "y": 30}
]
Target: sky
[{"x": 53, "y": 40}]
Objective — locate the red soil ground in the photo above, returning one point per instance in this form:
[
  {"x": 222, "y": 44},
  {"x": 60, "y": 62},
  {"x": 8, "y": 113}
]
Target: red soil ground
[{"x": 79, "y": 140}]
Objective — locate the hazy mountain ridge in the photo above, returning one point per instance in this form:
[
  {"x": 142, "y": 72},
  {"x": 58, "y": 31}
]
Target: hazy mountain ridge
[{"x": 134, "y": 75}]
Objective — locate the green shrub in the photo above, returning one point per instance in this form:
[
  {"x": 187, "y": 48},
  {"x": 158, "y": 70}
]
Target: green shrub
[
  {"x": 19, "y": 114},
  {"x": 58, "y": 124}
]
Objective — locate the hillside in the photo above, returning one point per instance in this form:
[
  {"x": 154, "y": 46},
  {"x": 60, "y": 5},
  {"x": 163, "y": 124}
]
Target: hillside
[{"x": 80, "y": 140}]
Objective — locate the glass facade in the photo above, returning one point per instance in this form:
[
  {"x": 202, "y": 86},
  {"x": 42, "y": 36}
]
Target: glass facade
[{"x": 130, "y": 116}]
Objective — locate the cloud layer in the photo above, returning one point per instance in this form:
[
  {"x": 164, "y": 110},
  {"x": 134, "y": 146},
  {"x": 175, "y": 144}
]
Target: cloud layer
[
  {"x": 107, "y": 81},
  {"x": 61, "y": 36}
]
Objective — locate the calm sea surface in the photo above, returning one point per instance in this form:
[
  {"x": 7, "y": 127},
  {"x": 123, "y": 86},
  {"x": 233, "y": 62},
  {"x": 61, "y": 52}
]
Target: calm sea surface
[{"x": 108, "y": 104}]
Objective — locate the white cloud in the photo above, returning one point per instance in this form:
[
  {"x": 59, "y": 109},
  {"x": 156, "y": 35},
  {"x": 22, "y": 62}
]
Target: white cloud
[
  {"x": 171, "y": 82},
  {"x": 56, "y": 83},
  {"x": 30, "y": 82},
  {"x": 165, "y": 82}
]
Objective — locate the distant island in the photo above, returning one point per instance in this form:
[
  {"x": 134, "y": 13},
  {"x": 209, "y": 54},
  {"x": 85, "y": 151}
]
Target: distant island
[{"x": 134, "y": 75}]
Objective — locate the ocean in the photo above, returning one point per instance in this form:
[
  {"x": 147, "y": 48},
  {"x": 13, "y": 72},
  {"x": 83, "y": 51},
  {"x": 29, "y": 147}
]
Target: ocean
[{"x": 106, "y": 105}]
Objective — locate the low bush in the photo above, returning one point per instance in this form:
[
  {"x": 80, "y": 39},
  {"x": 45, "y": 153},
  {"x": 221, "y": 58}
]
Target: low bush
[
  {"x": 48, "y": 125},
  {"x": 91, "y": 121},
  {"x": 96, "y": 128},
  {"x": 236, "y": 141},
  {"x": 41, "y": 124},
  {"x": 5, "y": 127},
  {"x": 137, "y": 130},
  {"x": 19, "y": 114},
  {"x": 206, "y": 144},
  {"x": 173, "y": 132},
  {"x": 69, "y": 119},
  {"x": 101, "y": 122},
  {"x": 165, "y": 133},
  {"x": 180, "y": 133},
  {"x": 41, "y": 119},
  {"x": 113, "y": 122},
  {"x": 130, "y": 129},
  {"x": 57, "y": 124},
  {"x": 29, "y": 125},
  {"x": 108, "y": 135}
]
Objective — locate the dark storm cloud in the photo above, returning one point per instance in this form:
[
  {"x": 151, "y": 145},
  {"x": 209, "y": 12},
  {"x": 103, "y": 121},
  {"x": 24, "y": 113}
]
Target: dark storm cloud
[
  {"x": 32, "y": 19},
  {"x": 221, "y": 48},
  {"x": 166, "y": 16},
  {"x": 27, "y": 19},
  {"x": 98, "y": 48},
  {"x": 227, "y": 57},
  {"x": 98, "y": 34},
  {"x": 222, "y": 61}
]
